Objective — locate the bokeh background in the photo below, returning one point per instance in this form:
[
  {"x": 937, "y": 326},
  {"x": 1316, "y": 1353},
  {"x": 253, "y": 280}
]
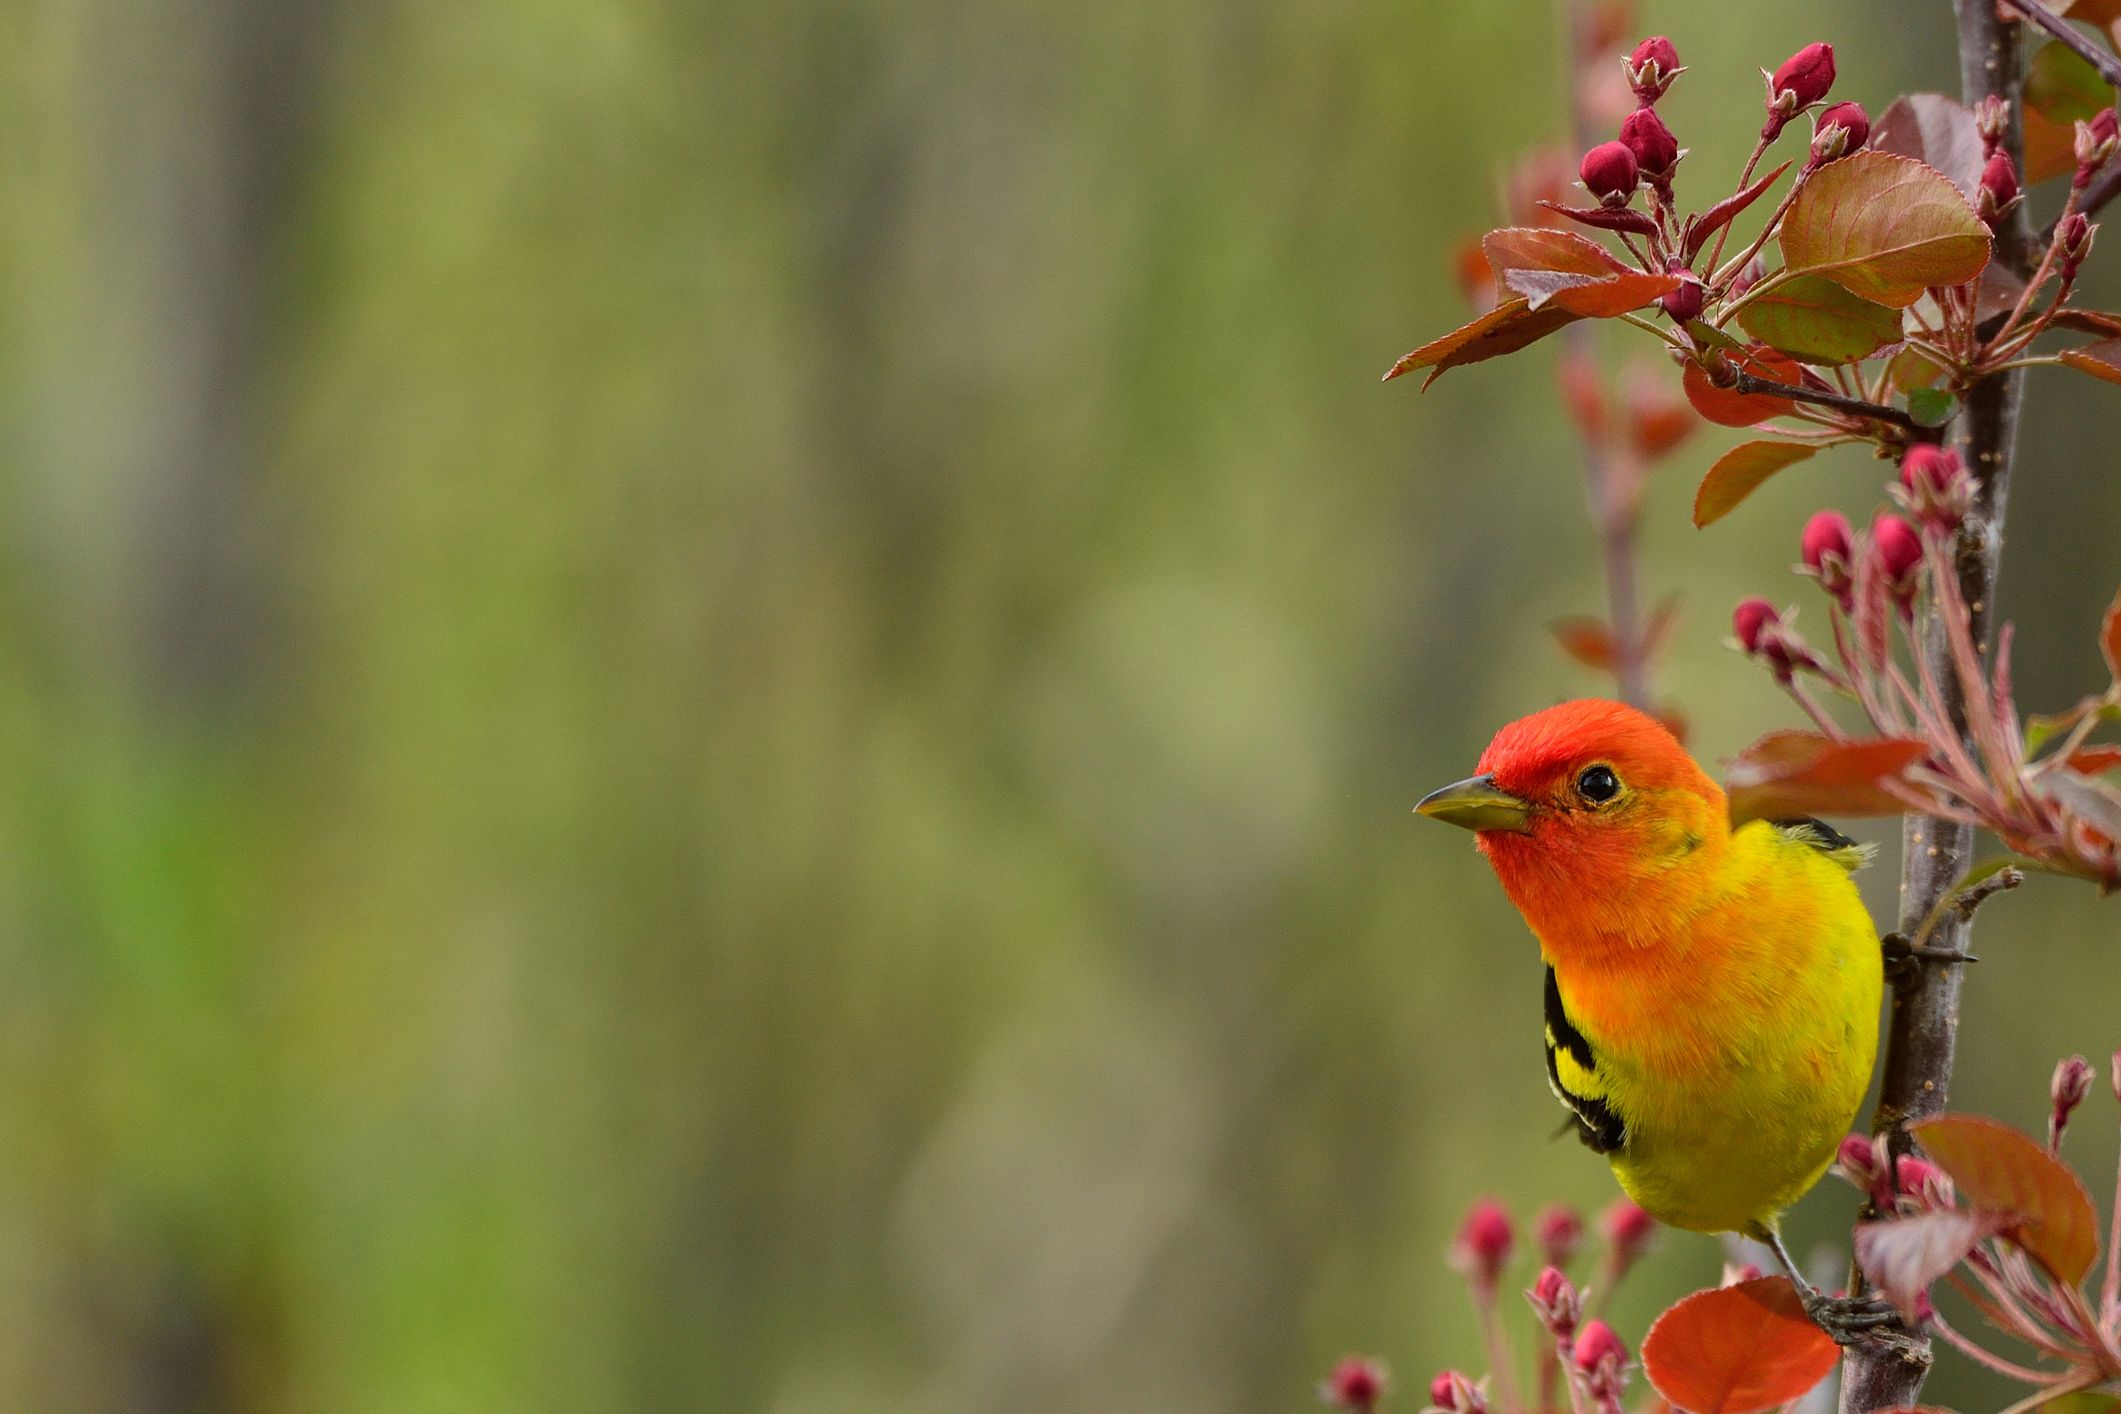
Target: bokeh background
[{"x": 713, "y": 708}]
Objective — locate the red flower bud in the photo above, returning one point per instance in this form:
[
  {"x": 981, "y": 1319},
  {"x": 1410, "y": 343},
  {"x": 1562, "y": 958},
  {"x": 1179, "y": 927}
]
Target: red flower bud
[
  {"x": 1751, "y": 620},
  {"x": 1609, "y": 170},
  {"x": 1934, "y": 486},
  {"x": 1999, "y": 189},
  {"x": 2074, "y": 239},
  {"x": 1898, "y": 551},
  {"x": 1356, "y": 1383},
  {"x": 1628, "y": 1230},
  {"x": 1828, "y": 537},
  {"x": 1685, "y": 302},
  {"x": 2095, "y": 143},
  {"x": 1922, "y": 1184},
  {"x": 1482, "y": 1248},
  {"x": 1838, "y": 131},
  {"x": 1442, "y": 1391},
  {"x": 1560, "y": 1232},
  {"x": 1656, "y": 150},
  {"x": 1861, "y": 1160},
  {"x": 2072, "y": 1082},
  {"x": 1555, "y": 1302},
  {"x": 1803, "y": 80},
  {"x": 1651, "y": 69},
  {"x": 1599, "y": 1348},
  {"x": 1992, "y": 119}
]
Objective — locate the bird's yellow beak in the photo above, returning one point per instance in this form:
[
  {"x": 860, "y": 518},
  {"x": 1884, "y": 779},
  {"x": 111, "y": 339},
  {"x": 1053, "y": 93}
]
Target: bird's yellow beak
[{"x": 1477, "y": 804}]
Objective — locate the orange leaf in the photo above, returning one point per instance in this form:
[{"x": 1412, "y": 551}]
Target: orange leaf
[
  {"x": 2110, "y": 638},
  {"x": 1738, "y": 1349},
  {"x": 1504, "y": 329},
  {"x": 1803, "y": 773},
  {"x": 2100, "y": 360},
  {"x": 1739, "y": 472},
  {"x": 2094, "y": 760},
  {"x": 1731, "y": 409},
  {"x": 1544, "y": 248},
  {"x": 1587, "y": 640},
  {"x": 1475, "y": 280},
  {"x": 2004, "y": 1171},
  {"x": 1596, "y": 296}
]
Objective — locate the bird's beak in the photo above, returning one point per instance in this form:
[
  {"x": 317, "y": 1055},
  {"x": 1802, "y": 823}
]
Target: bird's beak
[{"x": 1477, "y": 804}]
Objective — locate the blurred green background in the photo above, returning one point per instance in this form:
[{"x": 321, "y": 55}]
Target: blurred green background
[{"x": 715, "y": 708}]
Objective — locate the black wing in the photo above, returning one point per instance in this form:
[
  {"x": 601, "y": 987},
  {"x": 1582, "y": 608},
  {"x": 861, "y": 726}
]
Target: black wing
[{"x": 1575, "y": 1082}]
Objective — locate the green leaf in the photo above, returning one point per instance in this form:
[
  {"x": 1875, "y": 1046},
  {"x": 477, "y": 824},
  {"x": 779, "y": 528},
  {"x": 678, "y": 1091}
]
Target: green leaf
[
  {"x": 1739, "y": 472},
  {"x": 1912, "y": 369},
  {"x": 1883, "y": 227},
  {"x": 2041, "y": 728},
  {"x": 1932, "y": 407},
  {"x": 1815, "y": 320},
  {"x": 2062, "y": 86}
]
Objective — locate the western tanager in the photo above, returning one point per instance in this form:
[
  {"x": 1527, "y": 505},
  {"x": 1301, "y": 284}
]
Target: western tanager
[{"x": 1711, "y": 994}]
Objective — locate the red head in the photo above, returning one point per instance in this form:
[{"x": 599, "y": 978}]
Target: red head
[{"x": 1594, "y": 817}]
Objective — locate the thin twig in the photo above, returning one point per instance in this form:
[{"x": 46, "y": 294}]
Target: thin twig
[
  {"x": 1877, "y": 412},
  {"x": 2103, "y": 60}
]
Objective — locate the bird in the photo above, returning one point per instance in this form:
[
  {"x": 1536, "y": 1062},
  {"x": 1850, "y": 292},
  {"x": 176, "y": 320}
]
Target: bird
[{"x": 1711, "y": 993}]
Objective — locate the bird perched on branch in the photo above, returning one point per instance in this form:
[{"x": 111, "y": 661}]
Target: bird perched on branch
[{"x": 1712, "y": 993}]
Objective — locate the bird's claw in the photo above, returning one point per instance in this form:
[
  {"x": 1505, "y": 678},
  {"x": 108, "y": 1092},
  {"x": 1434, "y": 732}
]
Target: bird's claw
[
  {"x": 1849, "y": 1319},
  {"x": 1903, "y": 959}
]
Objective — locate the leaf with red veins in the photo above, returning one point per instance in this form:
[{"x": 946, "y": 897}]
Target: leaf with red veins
[
  {"x": 1741, "y": 471},
  {"x": 1737, "y": 1349},
  {"x": 1709, "y": 222},
  {"x": 2101, "y": 360},
  {"x": 1902, "y": 1256},
  {"x": 1545, "y": 248},
  {"x": 1803, "y": 773},
  {"x": 1940, "y": 131},
  {"x": 1594, "y": 296},
  {"x": 1508, "y": 327},
  {"x": 1884, "y": 227},
  {"x": 2004, "y": 1171}
]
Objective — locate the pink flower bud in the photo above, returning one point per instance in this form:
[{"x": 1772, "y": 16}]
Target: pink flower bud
[
  {"x": 1934, "y": 487},
  {"x": 1443, "y": 1392},
  {"x": 1609, "y": 170},
  {"x": 2074, "y": 239},
  {"x": 1828, "y": 537},
  {"x": 1628, "y": 1230},
  {"x": 1751, "y": 620},
  {"x": 1803, "y": 80},
  {"x": 2095, "y": 143},
  {"x": 1598, "y": 1349},
  {"x": 1862, "y": 1162},
  {"x": 1560, "y": 1232},
  {"x": 1838, "y": 131},
  {"x": 2072, "y": 1082},
  {"x": 1651, "y": 69},
  {"x": 1556, "y": 1303},
  {"x": 1685, "y": 302},
  {"x": 1482, "y": 1248},
  {"x": 1356, "y": 1383},
  {"x": 1656, "y": 150},
  {"x": 1898, "y": 552},
  {"x": 1922, "y": 1184},
  {"x": 1999, "y": 189}
]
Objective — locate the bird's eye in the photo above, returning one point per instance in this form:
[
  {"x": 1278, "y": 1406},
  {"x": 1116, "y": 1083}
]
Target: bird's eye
[{"x": 1598, "y": 784}]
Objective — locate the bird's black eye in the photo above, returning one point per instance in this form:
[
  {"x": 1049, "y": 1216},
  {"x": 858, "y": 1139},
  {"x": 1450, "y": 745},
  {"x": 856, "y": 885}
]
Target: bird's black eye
[{"x": 1598, "y": 784}]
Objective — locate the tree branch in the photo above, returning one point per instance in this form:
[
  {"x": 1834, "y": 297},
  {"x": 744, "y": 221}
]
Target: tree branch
[
  {"x": 1936, "y": 853},
  {"x": 1841, "y": 402},
  {"x": 2099, "y": 58}
]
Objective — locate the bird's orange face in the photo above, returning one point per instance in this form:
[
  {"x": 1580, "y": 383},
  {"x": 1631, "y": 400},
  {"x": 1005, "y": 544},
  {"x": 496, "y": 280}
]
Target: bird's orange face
[{"x": 1584, "y": 804}]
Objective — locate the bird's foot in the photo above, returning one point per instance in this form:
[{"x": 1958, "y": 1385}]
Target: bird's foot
[
  {"x": 1903, "y": 960},
  {"x": 1849, "y": 1319}
]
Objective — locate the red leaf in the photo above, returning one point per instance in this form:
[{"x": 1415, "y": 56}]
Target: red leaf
[
  {"x": 1605, "y": 218},
  {"x": 1584, "y": 393},
  {"x": 1585, "y": 639},
  {"x": 2004, "y": 1171},
  {"x": 1937, "y": 130},
  {"x": 1739, "y": 472},
  {"x": 2094, "y": 760},
  {"x": 2110, "y": 638},
  {"x": 1475, "y": 280},
  {"x": 1723, "y": 212},
  {"x": 1903, "y": 1255},
  {"x": 1504, "y": 329},
  {"x": 1721, "y": 405},
  {"x": 1598, "y": 296},
  {"x": 1545, "y": 248},
  {"x": 1738, "y": 1349},
  {"x": 2101, "y": 360},
  {"x": 2089, "y": 321},
  {"x": 1803, "y": 773}
]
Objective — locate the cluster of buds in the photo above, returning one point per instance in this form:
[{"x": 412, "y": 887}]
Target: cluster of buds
[
  {"x": 2000, "y": 191},
  {"x": 1934, "y": 487},
  {"x": 1645, "y": 151},
  {"x": 1914, "y": 1186},
  {"x": 1804, "y": 79}
]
